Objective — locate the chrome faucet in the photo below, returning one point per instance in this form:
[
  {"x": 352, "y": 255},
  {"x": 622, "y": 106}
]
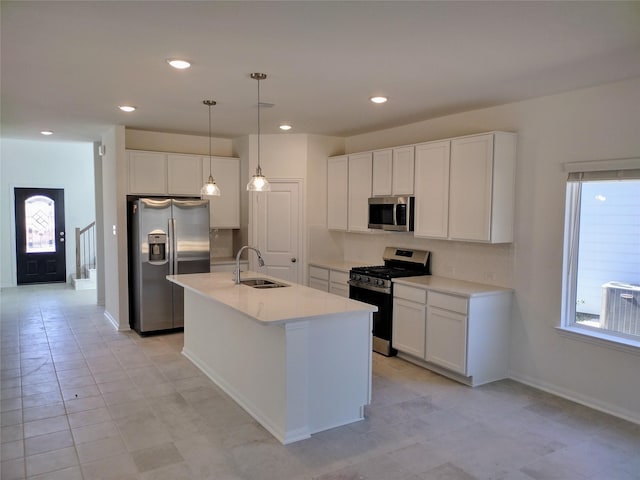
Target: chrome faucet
[{"x": 237, "y": 270}]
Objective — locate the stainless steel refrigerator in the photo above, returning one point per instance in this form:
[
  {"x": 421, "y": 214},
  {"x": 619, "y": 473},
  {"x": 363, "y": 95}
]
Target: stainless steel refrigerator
[{"x": 166, "y": 236}]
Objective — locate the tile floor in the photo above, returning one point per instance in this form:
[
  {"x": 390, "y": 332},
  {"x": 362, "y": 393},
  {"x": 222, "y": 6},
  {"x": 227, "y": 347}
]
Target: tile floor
[{"x": 82, "y": 401}]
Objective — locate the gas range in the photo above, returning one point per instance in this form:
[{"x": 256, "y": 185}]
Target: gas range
[
  {"x": 374, "y": 285},
  {"x": 398, "y": 263}
]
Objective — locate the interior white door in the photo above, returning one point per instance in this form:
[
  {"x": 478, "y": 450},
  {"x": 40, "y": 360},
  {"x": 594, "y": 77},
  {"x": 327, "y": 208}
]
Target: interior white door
[{"x": 278, "y": 223}]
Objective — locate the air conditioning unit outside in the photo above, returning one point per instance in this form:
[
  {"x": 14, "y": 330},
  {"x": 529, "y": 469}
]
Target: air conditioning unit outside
[{"x": 621, "y": 308}]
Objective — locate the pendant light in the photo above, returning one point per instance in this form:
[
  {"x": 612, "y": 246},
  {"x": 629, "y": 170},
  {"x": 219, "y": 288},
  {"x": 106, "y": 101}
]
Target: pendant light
[
  {"x": 210, "y": 189},
  {"x": 258, "y": 182}
]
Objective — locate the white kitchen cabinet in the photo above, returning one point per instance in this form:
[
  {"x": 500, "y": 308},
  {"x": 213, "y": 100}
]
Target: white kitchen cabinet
[
  {"x": 161, "y": 173},
  {"x": 403, "y": 171},
  {"x": 447, "y": 332},
  {"x": 360, "y": 173},
  {"x": 319, "y": 278},
  {"x": 393, "y": 171},
  {"x": 337, "y": 192},
  {"x": 224, "y": 211},
  {"x": 456, "y": 328},
  {"x": 338, "y": 283},
  {"x": 409, "y": 320},
  {"x": 382, "y": 173},
  {"x": 184, "y": 174},
  {"x": 481, "y": 187},
  {"x": 432, "y": 189},
  {"x": 147, "y": 172},
  {"x": 329, "y": 280}
]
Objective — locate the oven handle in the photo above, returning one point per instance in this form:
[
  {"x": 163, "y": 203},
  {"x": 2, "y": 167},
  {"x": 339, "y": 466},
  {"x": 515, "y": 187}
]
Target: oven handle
[{"x": 371, "y": 288}]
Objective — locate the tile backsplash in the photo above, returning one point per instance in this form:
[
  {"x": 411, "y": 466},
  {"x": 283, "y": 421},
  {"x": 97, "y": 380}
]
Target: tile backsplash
[{"x": 221, "y": 243}]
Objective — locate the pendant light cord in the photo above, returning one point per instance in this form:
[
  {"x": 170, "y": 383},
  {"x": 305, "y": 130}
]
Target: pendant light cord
[
  {"x": 259, "y": 169},
  {"x": 210, "y": 139}
]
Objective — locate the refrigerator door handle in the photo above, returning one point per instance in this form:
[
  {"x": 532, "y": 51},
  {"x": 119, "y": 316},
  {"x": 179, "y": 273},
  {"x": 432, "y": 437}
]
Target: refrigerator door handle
[
  {"x": 174, "y": 245},
  {"x": 170, "y": 245}
]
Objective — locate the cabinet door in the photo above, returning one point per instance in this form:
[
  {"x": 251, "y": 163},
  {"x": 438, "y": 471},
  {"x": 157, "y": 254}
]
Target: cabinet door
[
  {"x": 432, "y": 190},
  {"x": 382, "y": 173},
  {"x": 148, "y": 172},
  {"x": 337, "y": 192},
  {"x": 403, "y": 165},
  {"x": 360, "y": 170},
  {"x": 319, "y": 284},
  {"x": 224, "y": 211},
  {"x": 471, "y": 177},
  {"x": 338, "y": 283},
  {"x": 409, "y": 327},
  {"x": 184, "y": 174},
  {"x": 447, "y": 339}
]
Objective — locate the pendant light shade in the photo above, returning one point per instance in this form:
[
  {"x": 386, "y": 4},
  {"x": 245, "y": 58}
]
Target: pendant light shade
[
  {"x": 258, "y": 182},
  {"x": 210, "y": 189}
]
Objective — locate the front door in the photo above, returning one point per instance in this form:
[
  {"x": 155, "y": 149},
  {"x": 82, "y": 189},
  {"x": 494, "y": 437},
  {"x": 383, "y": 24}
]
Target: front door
[
  {"x": 40, "y": 235},
  {"x": 277, "y": 215}
]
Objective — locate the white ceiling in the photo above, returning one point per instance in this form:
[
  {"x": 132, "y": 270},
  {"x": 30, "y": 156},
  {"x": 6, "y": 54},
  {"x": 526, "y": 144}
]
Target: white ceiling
[{"x": 67, "y": 65}]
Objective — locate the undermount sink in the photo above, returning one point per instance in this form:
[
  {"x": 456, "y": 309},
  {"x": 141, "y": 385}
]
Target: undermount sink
[{"x": 262, "y": 283}]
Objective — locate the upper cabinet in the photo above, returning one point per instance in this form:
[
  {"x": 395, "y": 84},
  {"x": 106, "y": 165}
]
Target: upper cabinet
[
  {"x": 224, "y": 211},
  {"x": 481, "y": 187},
  {"x": 464, "y": 187},
  {"x": 337, "y": 192},
  {"x": 403, "y": 166},
  {"x": 147, "y": 172},
  {"x": 183, "y": 174},
  {"x": 160, "y": 173},
  {"x": 393, "y": 171},
  {"x": 432, "y": 189},
  {"x": 360, "y": 174}
]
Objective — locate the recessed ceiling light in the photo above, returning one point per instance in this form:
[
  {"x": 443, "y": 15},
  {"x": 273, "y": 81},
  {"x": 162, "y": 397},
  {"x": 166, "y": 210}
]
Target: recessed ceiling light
[
  {"x": 179, "y": 64},
  {"x": 127, "y": 108},
  {"x": 379, "y": 99},
  {"x": 285, "y": 127},
  {"x": 46, "y": 132}
]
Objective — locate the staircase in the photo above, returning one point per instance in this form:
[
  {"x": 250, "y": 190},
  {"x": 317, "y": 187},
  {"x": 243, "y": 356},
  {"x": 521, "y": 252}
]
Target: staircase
[{"x": 85, "y": 276}]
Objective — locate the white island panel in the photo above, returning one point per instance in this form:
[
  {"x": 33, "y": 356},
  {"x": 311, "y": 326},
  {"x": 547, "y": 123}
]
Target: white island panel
[{"x": 295, "y": 377}]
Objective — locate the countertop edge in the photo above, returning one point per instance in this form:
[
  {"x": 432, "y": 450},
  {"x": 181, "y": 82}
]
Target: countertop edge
[
  {"x": 452, "y": 286},
  {"x": 266, "y": 321}
]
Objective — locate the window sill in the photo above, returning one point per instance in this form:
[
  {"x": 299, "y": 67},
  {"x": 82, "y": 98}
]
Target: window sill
[{"x": 601, "y": 339}]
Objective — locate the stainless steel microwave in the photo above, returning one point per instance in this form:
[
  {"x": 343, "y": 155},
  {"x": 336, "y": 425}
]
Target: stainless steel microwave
[{"x": 391, "y": 213}]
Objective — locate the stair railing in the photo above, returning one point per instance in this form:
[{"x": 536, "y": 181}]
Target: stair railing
[{"x": 85, "y": 250}]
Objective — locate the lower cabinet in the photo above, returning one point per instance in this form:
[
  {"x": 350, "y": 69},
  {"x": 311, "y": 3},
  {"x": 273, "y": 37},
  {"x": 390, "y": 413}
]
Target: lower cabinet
[
  {"x": 463, "y": 336},
  {"x": 329, "y": 280},
  {"x": 409, "y": 328},
  {"x": 319, "y": 278},
  {"x": 338, "y": 283}
]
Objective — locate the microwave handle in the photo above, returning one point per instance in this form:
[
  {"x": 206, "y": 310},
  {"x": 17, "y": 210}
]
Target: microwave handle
[{"x": 395, "y": 214}]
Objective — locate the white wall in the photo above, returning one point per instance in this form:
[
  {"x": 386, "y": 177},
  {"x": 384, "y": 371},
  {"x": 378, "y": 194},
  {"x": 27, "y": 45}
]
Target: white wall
[
  {"x": 114, "y": 182},
  {"x": 587, "y": 124},
  {"x": 45, "y": 164},
  {"x": 175, "y": 142}
]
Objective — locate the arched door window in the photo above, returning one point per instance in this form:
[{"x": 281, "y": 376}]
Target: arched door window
[{"x": 40, "y": 224}]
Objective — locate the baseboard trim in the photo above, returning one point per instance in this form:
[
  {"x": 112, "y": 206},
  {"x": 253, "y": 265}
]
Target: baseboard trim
[{"x": 587, "y": 401}]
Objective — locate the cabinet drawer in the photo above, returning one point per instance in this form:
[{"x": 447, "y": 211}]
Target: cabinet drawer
[
  {"x": 412, "y": 294},
  {"x": 339, "y": 277},
  {"x": 339, "y": 289},
  {"x": 317, "y": 272},
  {"x": 445, "y": 301},
  {"x": 319, "y": 284}
]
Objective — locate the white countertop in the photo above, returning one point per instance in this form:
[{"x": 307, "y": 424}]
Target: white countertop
[
  {"x": 450, "y": 285},
  {"x": 270, "y": 305},
  {"x": 339, "y": 265}
]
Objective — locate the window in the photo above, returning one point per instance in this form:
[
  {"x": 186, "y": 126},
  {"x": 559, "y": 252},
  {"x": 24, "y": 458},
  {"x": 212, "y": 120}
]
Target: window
[
  {"x": 40, "y": 224},
  {"x": 602, "y": 255}
]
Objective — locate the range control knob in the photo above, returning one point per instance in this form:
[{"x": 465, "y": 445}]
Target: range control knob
[
  {"x": 380, "y": 282},
  {"x": 356, "y": 276}
]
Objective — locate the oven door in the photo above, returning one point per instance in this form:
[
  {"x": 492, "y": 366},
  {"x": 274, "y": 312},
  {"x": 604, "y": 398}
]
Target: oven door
[{"x": 381, "y": 319}]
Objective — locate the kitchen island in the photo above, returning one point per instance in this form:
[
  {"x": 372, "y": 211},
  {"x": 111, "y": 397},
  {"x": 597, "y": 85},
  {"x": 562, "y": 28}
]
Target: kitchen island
[{"x": 295, "y": 358}]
